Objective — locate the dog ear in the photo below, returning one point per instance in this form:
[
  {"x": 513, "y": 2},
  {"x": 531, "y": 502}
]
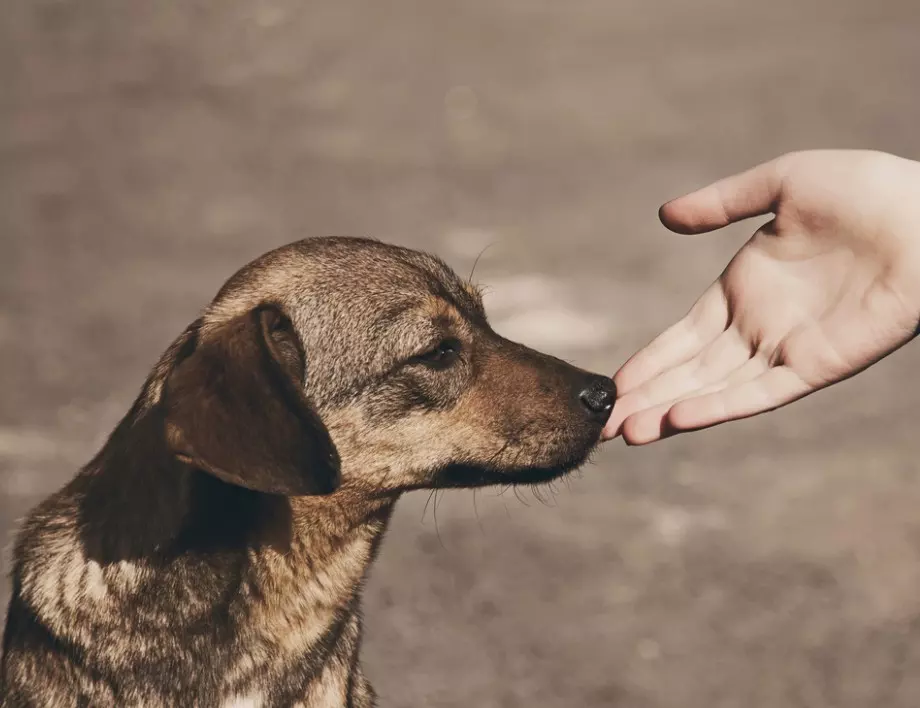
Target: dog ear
[{"x": 235, "y": 408}]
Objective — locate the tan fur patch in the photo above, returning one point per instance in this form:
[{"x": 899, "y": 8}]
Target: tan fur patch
[{"x": 252, "y": 700}]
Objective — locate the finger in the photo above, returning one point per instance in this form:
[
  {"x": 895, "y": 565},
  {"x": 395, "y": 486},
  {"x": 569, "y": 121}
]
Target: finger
[
  {"x": 776, "y": 387},
  {"x": 679, "y": 343},
  {"x": 716, "y": 362},
  {"x": 622, "y": 410},
  {"x": 751, "y": 193},
  {"x": 643, "y": 426}
]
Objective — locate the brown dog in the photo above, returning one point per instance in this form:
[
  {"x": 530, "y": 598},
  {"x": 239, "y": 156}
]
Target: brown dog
[{"x": 213, "y": 553}]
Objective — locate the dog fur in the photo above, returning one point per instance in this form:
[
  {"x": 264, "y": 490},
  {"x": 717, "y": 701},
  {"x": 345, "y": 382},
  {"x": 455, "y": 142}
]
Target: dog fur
[{"x": 213, "y": 553}]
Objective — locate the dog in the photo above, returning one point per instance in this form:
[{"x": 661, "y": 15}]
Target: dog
[{"x": 214, "y": 551}]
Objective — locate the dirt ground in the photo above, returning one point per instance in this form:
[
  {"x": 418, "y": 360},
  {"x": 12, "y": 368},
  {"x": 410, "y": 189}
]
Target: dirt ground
[{"x": 149, "y": 149}]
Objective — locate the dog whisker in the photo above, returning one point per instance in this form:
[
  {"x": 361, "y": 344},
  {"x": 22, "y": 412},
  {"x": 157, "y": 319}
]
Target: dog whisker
[
  {"x": 427, "y": 502},
  {"x": 476, "y": 512},
  {"x": 476, "y": 262},
  {"x": 519, "y": 498},
  {"x": 437, "y": 530}
]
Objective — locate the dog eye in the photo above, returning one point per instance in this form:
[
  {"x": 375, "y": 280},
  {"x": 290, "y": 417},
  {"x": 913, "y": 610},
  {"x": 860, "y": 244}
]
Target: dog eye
[{"x": 442, "y": 356}]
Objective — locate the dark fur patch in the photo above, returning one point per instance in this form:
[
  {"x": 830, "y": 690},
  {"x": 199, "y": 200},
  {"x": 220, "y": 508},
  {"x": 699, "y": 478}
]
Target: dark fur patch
[{"x": 235, "y": 409}]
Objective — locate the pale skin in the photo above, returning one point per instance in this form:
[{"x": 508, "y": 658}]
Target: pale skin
[{"x": 827, "y": 288}]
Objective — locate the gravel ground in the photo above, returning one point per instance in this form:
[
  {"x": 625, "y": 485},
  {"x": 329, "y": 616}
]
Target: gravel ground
[{"x": 149, "y": 149}]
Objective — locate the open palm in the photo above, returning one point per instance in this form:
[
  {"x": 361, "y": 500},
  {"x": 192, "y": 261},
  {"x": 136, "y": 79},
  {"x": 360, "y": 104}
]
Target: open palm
[{"x": 828, "y": 287}]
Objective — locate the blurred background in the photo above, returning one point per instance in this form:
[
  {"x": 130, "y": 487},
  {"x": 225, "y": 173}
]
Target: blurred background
[{"x": 147, "y": 150}]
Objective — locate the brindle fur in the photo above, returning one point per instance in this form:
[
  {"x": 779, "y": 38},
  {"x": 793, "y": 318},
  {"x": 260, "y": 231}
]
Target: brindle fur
[{"x": 213, "y": 553}]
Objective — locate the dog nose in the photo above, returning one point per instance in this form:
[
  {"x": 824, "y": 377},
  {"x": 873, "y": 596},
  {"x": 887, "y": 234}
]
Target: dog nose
[{"x": 598, "y": 397}]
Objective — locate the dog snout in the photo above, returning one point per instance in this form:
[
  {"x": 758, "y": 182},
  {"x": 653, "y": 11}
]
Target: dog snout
[{"x": 597, "y": 397}]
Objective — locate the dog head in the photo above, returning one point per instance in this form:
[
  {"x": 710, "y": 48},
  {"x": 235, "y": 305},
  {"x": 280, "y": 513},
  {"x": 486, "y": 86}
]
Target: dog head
[{"x": 341, "y": 361}]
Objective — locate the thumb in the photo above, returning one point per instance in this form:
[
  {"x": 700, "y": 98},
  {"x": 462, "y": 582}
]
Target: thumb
[{"x": 732, "y": 199}]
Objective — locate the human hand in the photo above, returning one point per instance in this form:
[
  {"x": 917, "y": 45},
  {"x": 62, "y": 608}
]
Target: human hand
[{"x": 824, "y": 290}]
